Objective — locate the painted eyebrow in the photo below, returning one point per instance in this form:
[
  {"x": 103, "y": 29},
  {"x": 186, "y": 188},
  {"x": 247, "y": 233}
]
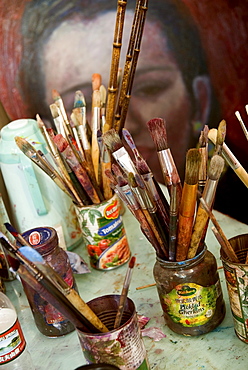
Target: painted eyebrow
[{"x": 154, "y": 69}]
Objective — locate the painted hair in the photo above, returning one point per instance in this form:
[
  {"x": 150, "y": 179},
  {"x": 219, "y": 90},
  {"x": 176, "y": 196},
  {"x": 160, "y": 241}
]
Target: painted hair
[{"x": 42, "y": 17}]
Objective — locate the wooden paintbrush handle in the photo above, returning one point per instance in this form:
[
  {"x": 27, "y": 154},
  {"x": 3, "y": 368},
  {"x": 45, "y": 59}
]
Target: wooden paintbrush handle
[{"x": 198, "y": 230}]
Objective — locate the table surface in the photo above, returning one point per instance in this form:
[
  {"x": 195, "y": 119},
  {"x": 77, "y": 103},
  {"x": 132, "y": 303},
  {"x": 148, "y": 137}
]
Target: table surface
[{"x": 220, "y": 349}]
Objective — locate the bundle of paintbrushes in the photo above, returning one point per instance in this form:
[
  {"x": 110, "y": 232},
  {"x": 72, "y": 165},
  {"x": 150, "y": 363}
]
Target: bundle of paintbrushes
[
  {"x": 32, "y": 268},
  {"x": 79, "y": 156},
  {"x": 177, "y": 228}
]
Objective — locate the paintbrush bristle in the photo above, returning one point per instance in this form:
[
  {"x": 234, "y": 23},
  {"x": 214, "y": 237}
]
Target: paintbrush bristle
[
  {"x": 131, "y": 180},
  {"x": 61, "y": 142},
  {"x": 112, "y": 140},
  {"x": 54, "y": 110},
  {"x": 132, "y": 262},
  {"x": 24, "y": 145},
  {"x": 157, "y": 129},
  {"x": 121, "y": 181},
  {"x": 142, "y": 166},
  {"x": 79, "y": 100},
  {"x": 193, "y": 159},
  {"x": 116, "y": 170},
  {"x": 216, "y": 167},
  {"x": 103, "y": 94},
  {"x": 96, "y": 81},
  {"x": 203, "y": 140},
  {"x": 55, "y": 95},
  {"x": 221, "y": 133}
]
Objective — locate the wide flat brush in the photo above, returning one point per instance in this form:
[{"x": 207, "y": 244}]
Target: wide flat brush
[
  {"x": 230, "y": 158},
  {"x": 158, "y": 132},
  {"x": 188, "y": 204},
  {"x": 113, "y": 78},
  {"x": 216, "y": 167},
  {"x": 113, "y": 142}
]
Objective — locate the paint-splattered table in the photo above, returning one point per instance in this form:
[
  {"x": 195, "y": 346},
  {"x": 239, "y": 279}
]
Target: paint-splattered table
[{"x": 220, "y": 349}]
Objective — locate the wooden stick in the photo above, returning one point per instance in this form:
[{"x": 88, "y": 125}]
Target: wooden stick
[
  {"x": 113, "y": 83},
  {"x": 225, "y": 245}
]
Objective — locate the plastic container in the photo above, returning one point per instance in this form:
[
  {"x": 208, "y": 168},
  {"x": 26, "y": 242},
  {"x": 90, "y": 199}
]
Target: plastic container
[
  {"x": 16, "y": 355},
  {"x": 35, "y": 200},
  {"x": 190, "y": 294},
  {"x": 48, "y": 319}
]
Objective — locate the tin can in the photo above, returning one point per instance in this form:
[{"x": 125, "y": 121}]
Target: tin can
[
  {"x": 48, "y": 319},
  {"x": 104, "y": 234},
  {"x": 236, "y": 275},
  {"x": 190, "y": 294},
  {"x": 122, "y": 347}
]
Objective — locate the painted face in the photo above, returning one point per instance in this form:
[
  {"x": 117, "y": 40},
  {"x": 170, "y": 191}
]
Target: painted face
[{"x": 77, "y": 50}]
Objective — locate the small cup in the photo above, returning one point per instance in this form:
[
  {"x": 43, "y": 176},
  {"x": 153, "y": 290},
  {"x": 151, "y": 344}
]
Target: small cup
[
  {"x": 236, "y": 275},
  {"x": 104, "y": 234},
  {"x": 122, "y": 347}
]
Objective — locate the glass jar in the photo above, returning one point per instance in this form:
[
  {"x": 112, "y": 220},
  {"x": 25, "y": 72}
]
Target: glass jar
[
  {"x": 190, "y": 294},
  {"x": 48, "y": 319}
]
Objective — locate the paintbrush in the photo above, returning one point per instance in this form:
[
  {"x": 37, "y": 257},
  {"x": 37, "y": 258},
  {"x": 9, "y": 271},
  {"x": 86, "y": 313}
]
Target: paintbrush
[
  {"x": 124, "y": 292},
  {"x": 220, "y": 138},
  {"x": 157, "y": 129},
  {"x": 238, "y": 115},
  {"x": 78, "y": 169},
  {"x": 230, "y": 158},
  {"x": 188, "y": 203},
  {"x": 59, "y": 123},
  {"x": 106, "y": 165},
  {"x": 149, "y": 209},
  {"x": 225, "y": 243},
  {"x": 60, "y": 290},
  {"x": 203, "y": 150},
  {"x": 35, "y": 157},
  {"x": 51, "y": 274},
  {"x": 173, "y": 219},
  {"x": 216, "y": 167},
  {"x": 129, "y": 140},
  {"x": 113, "y": 82},
  {"x": 103, "y": 99},
  {"x": 95, "y": 123},
  {"x": 113, "y": 142},
  {"x": 59, "y": 103},
  {"x": 132, "y": 203},
  {"x": 138, "y": 28},
  {"x": 155, "y": 191}
]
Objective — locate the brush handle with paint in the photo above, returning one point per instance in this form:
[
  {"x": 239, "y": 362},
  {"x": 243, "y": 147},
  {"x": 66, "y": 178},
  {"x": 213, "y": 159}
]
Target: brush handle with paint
[{"x": 230, "y": 158}]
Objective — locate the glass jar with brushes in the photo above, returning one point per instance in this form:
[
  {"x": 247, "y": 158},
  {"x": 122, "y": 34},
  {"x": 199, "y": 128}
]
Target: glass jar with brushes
[{"x": 190, "y": 293}]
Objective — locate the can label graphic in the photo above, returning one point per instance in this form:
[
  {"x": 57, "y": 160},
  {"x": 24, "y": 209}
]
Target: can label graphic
[{"x": 104, "y": 234}]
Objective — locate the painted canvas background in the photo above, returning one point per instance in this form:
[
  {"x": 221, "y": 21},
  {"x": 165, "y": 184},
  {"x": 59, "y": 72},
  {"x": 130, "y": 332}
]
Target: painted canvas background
[{"x": 223, "y": 31}]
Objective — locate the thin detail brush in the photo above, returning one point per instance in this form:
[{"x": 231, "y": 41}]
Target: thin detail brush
[{"x": 124, "y": 292}]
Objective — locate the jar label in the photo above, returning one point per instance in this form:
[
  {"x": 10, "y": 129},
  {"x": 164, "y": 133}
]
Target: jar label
[
  {"x": 191, "y": 304},
  {"x": 12, "y": 343},
  {"x": 104, "y": 234}
]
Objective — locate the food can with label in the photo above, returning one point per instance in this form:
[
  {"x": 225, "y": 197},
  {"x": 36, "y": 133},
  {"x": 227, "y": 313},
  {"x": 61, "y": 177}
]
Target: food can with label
[
  {"x": 104, "y": 234},
  {"x": 190, "y": 293}
]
